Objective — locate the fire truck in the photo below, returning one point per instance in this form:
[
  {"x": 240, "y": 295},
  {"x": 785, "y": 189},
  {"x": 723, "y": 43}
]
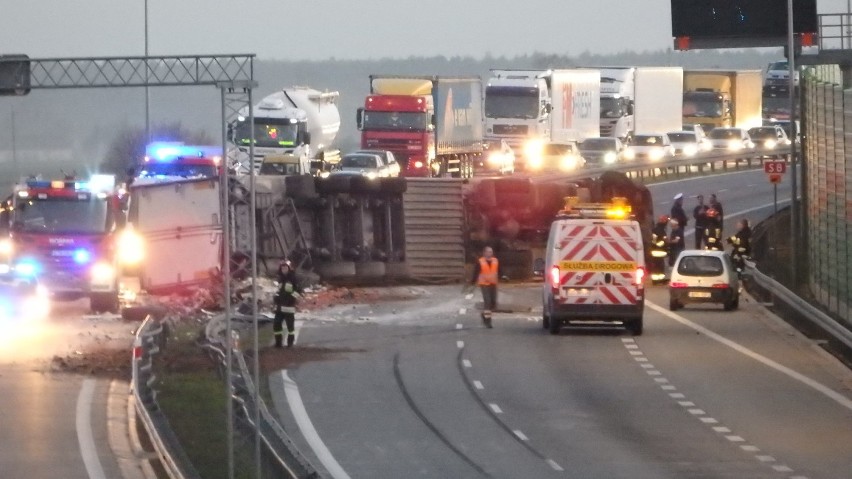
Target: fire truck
[{"x": 66, "y": 232}]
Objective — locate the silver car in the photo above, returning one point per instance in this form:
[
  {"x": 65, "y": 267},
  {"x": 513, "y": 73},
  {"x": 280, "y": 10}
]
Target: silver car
[{"x": 364, "y": 164}]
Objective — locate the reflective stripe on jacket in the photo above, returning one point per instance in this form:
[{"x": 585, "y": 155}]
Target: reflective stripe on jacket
[{"x": 487, "y": 272}]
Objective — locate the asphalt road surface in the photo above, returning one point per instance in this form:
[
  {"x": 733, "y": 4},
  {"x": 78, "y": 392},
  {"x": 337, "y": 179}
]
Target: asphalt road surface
[
  {"x": 56, "y": 425},
  {"x": 420, "y": 389}
]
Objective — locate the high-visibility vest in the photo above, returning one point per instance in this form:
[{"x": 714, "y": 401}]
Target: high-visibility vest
[{"x": 487, "y": 272}]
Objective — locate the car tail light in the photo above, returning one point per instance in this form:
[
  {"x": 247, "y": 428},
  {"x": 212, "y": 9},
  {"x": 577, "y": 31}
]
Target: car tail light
[
  {"x": 677, "y": 284},
  {"x": 721, "y": 285},
  {"x": 555, "y": 277},
  {"x": 640, "y": 276}
]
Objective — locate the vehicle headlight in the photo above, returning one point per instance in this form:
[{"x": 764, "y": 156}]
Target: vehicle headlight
[
  {"x": 690, "y": 150},
  {"x": 770, "y": 144},
  {"x": 131, "y": 248},
  {"x": 495, "y": 159},
  {"x": 418, "y": 164},
  {"x": 27, "y": 267},
  {"x": 569, "y": 162},
  {"x": 325, "y": 174},
  {"x": 533, "y": 148},
  {"x": 630, "y": 154},
  {"x": 6, "y": 247},
  {"x": 372, "y": 175},
  {"x": 656, "y": 154},
  {"x": 37, "y": 306},
  {"x": 735, "y": 145},
  {"x": 534, "y": 161},
  {"x": 102, "y": 273},
  {"x": 610, "y": 157}
]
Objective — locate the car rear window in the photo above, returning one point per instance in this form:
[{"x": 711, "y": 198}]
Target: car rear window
[{"x": 700, "y": 266}]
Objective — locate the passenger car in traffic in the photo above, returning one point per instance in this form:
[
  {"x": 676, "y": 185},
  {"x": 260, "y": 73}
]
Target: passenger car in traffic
[
  {"x": 730, "y": 139},
  {"x": 704, "y": 276},
  {"x": 686, "y": 143},
  {"x": 387, "y": 156},
  {"x": 649, "y": 147},
  {"x": 554, "y": 157},
  {"x": 365, "y": 164},
  {"x": 22, "y": 298},
  {"x": 601, "y": 151},
  {"x": 770, "y": 139},
  {"x": 498, "y": 158}
]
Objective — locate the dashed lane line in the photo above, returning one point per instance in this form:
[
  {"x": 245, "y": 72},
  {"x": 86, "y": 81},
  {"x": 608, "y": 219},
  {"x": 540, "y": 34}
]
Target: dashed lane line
[
  {"x": 495, "y": 408},
  {"x": 478, "y": 385}
]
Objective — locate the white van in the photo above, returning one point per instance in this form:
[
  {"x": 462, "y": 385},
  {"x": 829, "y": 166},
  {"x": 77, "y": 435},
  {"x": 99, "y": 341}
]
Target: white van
[{"x": 595, "y": 264}]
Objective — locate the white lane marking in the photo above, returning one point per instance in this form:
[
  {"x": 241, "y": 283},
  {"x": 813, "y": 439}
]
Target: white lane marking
[
  {"x": 749, "y": 448},
  {"x": 654, "y": 372},
  {"x": 628, "y": 340},
  {"x": 765, "y": 458},
  {"x": 722, "y": 429},
  {"x": 640, "y": 359},
  {"x": 468, "y": 296},
  {"x": 651, "y": 185},
  {"x": 554, "y": 465},
  {"x": 677, "y": 395},
  {"x": 798, "y": 477},
  {"x": 751, "y": 185},
  {"x": 636, "y": 353},
  {"x": 661, "y": 380},
  {"x": 85, "y": 437},
  {"x": 782, "y": 468},
  {"x": 631, "y": 346},
  {"x": 709, "y": 420},
  {"x": 521, "y": 435},
  {"x": 478, "y": 385},
  {"x": 691, "y": 231},
  {"x": 298, "y": 326},
  {"x": 647, "y": 365},
  {"x": 297, "y": 407},
  {"x": 686, "y": 403},
  {"x": 495, "y": 408},
  {"x": 815, "y": 385},
  {"x": 459, "y": 326},
  {"x": 462, "y": 310},
  {"x": 466, "y": 363},
  {"x": 697, "y": 412},
  {"x": 668, "y": 387},
  {"x": 721, "y": 191},
  {"x": 460, "y": 344},
  {"x": 735, "y": 438}
]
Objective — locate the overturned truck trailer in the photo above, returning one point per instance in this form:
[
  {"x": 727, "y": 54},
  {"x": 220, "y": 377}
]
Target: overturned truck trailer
[{"x": 513, "y": 215}]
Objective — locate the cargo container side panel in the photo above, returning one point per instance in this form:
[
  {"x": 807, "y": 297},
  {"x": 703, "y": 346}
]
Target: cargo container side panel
[
  {"x": 748, "y": 99},
  {"x": 165, "y": 206},
  {"x": 458, "y": 115},
  {"x": 576, "y": 105},
  {"x": 658, "y": 105}
]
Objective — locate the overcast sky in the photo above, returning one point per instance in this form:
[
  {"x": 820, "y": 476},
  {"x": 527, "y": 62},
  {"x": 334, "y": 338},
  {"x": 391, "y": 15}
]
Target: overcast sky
[{"x": 344, "y": 29}]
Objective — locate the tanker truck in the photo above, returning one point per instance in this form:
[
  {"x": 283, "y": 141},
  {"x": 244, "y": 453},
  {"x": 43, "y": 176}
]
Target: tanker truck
[
  {"x": 722, "y": 98},
  {"x": 296, "y": 122},
  {"x": 432, "y": 124}
]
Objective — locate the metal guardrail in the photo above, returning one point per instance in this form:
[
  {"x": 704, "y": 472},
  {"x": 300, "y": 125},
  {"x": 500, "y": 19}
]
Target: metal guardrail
[
  {"x": 277, "y": 444},
  {"x": 798, "y": 304},
  {"x": 148, "y": 341}
]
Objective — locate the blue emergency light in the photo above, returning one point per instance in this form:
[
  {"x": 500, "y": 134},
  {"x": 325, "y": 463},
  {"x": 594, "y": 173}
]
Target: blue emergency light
[
  {"x": 27, "y": 267},
  {"x": 169, "y": 151},
  {"x": 82, "y": 256}
]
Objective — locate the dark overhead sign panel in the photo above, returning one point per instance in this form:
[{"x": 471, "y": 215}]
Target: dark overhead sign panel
[
  {"x": 740, "y": 19},
  {"x": 14, "y": 75}
]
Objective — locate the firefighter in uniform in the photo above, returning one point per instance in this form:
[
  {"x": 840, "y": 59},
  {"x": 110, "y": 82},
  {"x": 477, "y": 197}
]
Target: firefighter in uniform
[
  {"x": 486, "y": 274},
  {"x": 285, "y": 305},
  {"x": 675, "y": 242},
  {"x": 741, "y": 242},
  {"x": 659, "y": 249},
  {"x": 713, "y": 231}
]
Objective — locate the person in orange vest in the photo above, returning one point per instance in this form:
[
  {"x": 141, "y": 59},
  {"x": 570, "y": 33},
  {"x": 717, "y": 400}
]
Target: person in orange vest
[{"x": 486, "y": 273}]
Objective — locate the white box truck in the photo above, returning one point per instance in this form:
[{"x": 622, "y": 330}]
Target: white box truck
[{"x": 640, "y": 100}]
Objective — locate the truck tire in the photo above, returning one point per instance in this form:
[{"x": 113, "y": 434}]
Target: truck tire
[
  {"x": 300, "y": 186},
  {"x": 636, "y": 326},
  {"x": 364, "y": 185},
  {"x": 555, "y": 326},
  {"x": 104, "y": 302},
  {"x": 393, "y": 186},
  {"x": 334, "y": 184}
]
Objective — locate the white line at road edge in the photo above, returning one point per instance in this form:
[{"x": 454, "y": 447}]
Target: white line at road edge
[
  {"x": 740, "y": 213},
  {"x": 817, "y": 386},
  {"x": 294, "y": 399},
  {"x": 84, "y": 431},
  {"x": 693, "y": 178}
]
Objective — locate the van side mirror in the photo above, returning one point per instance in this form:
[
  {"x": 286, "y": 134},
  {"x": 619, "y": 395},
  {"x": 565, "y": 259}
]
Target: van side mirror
[
  {"x": 307, "y": 138},
  {"x": 548, "y": 107},
  {"x": 630, "y": 108},
  {"x": 433, "y": 121},
  {"x": 359, "y": 118}
]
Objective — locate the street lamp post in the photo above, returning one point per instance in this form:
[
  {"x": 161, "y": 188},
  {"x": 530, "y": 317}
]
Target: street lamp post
[{"x": 147, "y": 93}]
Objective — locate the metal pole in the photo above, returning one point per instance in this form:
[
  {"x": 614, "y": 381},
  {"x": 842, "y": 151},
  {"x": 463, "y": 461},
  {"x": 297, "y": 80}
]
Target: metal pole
[
  {"x": 15, "y": 174},
  {"x": 253, "y": 254},
  {"x": 147, "y": 93},
  {"x": 794, "y": 207},
  {"x": 225, "y": 217}
]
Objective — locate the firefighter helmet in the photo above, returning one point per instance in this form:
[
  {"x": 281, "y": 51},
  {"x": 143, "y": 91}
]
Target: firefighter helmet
[{"x": 663, "y": 219}]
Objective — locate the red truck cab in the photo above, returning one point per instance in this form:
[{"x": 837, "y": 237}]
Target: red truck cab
[
  {"x": 401, "y": 124},
  {"x": 64, "y": 233}
]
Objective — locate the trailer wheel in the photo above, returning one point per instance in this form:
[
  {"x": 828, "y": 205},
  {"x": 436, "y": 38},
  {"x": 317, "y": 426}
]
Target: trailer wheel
[
  {"x": 334, "y": 184},
  {"x": 104, "y": 302},
  {"x": 300, "y": 186}
]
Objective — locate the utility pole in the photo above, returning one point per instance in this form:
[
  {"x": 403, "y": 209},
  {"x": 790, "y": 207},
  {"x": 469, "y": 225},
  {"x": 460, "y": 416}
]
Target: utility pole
[
  {"x": 147, "y": 93},
  {"x": 15, "y": 174},
  {"x": 794, "y": 203}
]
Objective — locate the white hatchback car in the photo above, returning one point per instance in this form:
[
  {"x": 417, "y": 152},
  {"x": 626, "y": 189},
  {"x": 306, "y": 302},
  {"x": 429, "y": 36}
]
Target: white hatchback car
[{"x": 703, "y": 276}]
